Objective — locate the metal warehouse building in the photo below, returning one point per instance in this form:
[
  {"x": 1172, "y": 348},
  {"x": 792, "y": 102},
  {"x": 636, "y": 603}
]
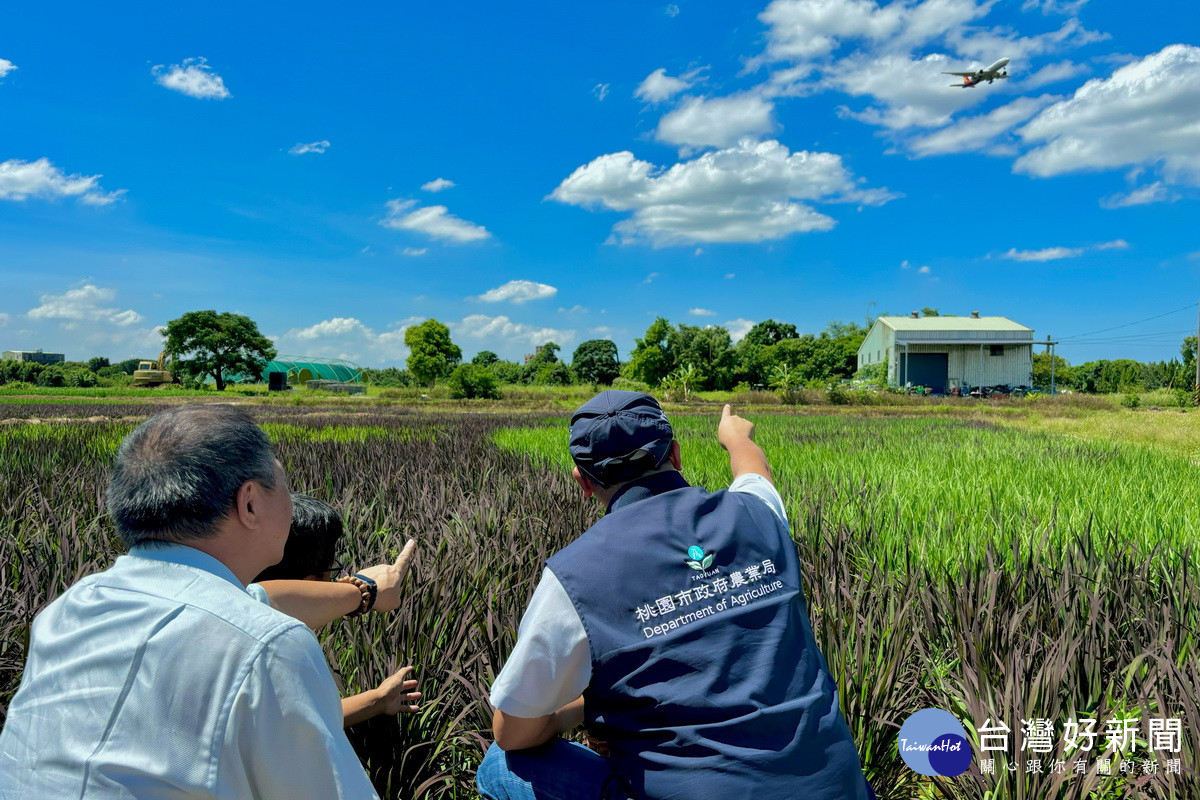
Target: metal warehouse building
[
  {"x": 945, "y": 353},
  {"x": 36, "y": 356}
]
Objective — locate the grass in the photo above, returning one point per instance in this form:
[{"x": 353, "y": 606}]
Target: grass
[
  {"x": 945, "y": 488},
  {"x": 937, "y": 568}
]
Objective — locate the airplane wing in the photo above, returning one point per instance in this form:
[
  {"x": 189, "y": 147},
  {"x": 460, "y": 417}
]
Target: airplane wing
[
  {"x": 961, "y": 74},
  {"x": 962, "y": 85}
]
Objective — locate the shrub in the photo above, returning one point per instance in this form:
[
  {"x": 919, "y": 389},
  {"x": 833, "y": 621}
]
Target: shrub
[
  {"x": 473, "y": 381},
  {"x": 1131, "y": 400},
  {"x": 630, "y": 385}
]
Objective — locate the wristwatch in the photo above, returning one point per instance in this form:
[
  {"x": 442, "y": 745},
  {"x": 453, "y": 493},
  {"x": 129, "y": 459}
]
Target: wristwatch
[{"x": 369, "y": 591}]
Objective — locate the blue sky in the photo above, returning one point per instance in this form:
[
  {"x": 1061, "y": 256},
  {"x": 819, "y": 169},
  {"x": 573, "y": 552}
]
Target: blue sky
[{"x": 570, "y": 171}]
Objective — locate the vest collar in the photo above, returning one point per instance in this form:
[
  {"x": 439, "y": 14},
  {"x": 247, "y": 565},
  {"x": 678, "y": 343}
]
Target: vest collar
[{"x": 646, "y": 487}]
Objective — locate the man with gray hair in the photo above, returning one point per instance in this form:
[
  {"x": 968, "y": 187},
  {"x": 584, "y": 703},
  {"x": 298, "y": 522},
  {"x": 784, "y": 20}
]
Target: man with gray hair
[{"x": 170, "y": 675}]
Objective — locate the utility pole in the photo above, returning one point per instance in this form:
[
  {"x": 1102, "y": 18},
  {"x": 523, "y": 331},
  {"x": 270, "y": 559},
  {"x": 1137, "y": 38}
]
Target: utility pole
[
  {"x": 1196, "y": 399},
  {"x": 1050, "y": 352}
]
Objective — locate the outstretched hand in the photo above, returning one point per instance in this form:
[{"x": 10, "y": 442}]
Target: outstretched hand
[
  {"x": 388, "y": 578},
  {"x": 732, "y": 428},
  {"x": 397, "y": 693}
]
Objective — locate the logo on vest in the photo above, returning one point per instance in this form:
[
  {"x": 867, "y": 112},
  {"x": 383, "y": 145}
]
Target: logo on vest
[{"x": 697, "y": 559}]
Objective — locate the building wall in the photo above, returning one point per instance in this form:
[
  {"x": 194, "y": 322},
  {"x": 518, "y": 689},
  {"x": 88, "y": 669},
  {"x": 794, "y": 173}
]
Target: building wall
[
  {"x": 1014, "y": 368},
  {"x": 36, "y": 356},
  {"x": 874, "y": 347}
]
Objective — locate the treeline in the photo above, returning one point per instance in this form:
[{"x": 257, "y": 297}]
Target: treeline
[
  {"x": 78, "y": 374},
  {"x": 1121, "y": 375},
  {"x": 673, "y": 357}
]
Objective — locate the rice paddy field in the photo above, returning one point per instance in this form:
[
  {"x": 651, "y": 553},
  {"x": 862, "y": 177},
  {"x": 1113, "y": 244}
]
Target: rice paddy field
[{"x": 1002, "y": 572}]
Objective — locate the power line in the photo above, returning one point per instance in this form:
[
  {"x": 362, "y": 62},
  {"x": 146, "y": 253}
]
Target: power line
[{"x": 1128, "y": 324}]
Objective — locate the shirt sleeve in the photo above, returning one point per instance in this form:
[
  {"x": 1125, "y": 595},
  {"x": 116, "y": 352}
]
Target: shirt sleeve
[
  {"x": 284, "y": 736},
  {"x": 551, "y": 664},
  {"x": 760, "y": 487},
  {"x": 256, "y": 591}
]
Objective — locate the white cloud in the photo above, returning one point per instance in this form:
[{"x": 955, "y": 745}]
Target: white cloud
[
  {"x": 518, "y": 292},
  {"x": 601, "y": 91},
  {"x": 501, "y": 331},
  {"x": 574, "y": 310},
  {"x": 701, "y": 312},
  {"x": 659, "y": 86},
  {"x": 300, "y": 149},
  {"x": 738, "y": 328},
  {"x": 1054, "y": 6},
  {"x": 1146, "y": 112},
  {"x": 84, "y": 304},
  {"x": 717, "y": 121},
  {"x": 435, "y": 221},
  {"x": 981, "y": 133},
  {"x": 729, "y": 275},
  {"x": 650, "y": 278},
  {"x": 924, "y": 270},
  {"x": 4, "y": 318},
  {"x": 908, "y": 93},
  {"x": 1053, "y": 73},
  {"x": 672, "y": 10},
  {"x": 349, "y": 338},
  {"x": 1055, "y": 253},
  {"x": 6, "y": 67},
  {"x": 194, "y": 78},
  {"x": 1046, "y": 254},
  {"x": 1156, "y": 192},
  {"x": 894, "y": 53},
  {"x": 438, "y": 185},
  {"x": 20, "y": 180},
  {"x": 414, "y": 251},
  {"x": 746, "y": 193}
]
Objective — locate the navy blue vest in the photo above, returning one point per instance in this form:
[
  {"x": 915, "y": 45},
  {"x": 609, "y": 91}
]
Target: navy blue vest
[{"x": 706, "y": 680}]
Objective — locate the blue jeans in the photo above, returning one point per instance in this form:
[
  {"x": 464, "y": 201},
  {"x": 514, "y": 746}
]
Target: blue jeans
[{"x": 556, "y": 770}]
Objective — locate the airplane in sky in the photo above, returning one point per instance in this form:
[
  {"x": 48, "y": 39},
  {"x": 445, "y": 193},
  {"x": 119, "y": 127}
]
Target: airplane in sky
[{"x": 989, "y": 74}]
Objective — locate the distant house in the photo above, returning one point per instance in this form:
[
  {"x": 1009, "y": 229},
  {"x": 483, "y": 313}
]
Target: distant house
[
  {"x": 36, "y": 356},
  {"x": 944, "y": 353}
]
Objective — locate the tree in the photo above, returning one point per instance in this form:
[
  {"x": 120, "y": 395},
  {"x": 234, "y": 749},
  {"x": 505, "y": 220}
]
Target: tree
[
  {"x": 432, "y": 355},
  {"x": 1063, "y": 373},
  {"x": 472, "y": 381},
  {"x": 769, "y": 332},
  {"x": 595, "y": 361},
  {"x": 709, "y": 350},
  {"x": 485, "y": 358},
  {"x": 205, "y": 343},
  {"x": 97, "y": 363},
  {"x": 651, "y": 361},
  {"x": 755, "y": 353},
  {"x": 929, "y": 312},
  {"x": 1188, "y": 351}
]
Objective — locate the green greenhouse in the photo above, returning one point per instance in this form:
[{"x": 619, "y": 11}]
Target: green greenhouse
[{"x": 299, "y": 369}]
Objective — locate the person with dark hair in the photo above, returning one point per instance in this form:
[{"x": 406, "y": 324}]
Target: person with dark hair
[
  {"x": 676, "y": 630},
  {"x": 170, "y": 674},
  {"x": 309, "y": 554}
]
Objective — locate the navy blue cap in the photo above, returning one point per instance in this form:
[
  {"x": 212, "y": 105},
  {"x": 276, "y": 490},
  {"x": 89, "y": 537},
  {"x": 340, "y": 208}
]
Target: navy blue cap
[{"x": 618, "y": 435}]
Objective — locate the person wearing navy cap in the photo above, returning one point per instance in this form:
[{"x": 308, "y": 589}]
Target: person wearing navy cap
[{"x": 675, "y": 629}]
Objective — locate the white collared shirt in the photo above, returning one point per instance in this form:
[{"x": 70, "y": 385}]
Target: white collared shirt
[{"x": 163, "y": 677}]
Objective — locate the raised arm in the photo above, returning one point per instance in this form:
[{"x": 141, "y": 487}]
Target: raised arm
[
  {"x": 317, "y": 603},
  {"x": 736, "y": 435}
]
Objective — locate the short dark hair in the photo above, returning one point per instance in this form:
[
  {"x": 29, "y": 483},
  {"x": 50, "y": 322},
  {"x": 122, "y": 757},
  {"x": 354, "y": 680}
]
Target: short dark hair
[
  {"x": 311, "y": 544},
  {"x": 177, "y": 475}
]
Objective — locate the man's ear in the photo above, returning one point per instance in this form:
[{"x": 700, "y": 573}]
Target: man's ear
[
  {"x": 584, "y": 482},
  {"x": 249, "y": 496},
  {"x": 675, "y": 456}
]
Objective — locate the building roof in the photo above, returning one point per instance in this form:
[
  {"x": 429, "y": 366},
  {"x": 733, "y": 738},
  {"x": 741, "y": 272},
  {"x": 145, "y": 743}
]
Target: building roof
[{"x": 966, "y": 324}]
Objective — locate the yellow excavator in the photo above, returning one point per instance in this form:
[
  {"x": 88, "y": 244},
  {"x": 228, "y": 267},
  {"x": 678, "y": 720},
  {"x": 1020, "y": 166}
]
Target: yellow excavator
[{"x": 153, "y": 373}]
